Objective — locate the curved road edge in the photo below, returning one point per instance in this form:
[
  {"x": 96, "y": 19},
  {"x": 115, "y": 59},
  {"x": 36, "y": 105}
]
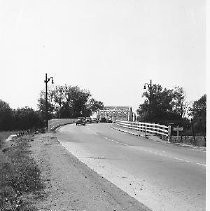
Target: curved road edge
[{"x": 71, "y": 185}]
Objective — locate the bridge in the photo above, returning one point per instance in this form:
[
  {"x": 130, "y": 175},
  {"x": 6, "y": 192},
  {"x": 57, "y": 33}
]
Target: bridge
[{"x": 116, "y": 113}]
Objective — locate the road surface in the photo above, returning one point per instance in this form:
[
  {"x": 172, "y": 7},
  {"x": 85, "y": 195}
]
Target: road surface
[{"x": 162, "y": 176}]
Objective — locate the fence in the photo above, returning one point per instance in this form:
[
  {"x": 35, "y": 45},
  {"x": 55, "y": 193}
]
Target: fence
[{"x": 147, "y": 128}]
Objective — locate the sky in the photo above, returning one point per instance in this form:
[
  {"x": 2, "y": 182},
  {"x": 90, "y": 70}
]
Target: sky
[{"x": 109, "y": 47}]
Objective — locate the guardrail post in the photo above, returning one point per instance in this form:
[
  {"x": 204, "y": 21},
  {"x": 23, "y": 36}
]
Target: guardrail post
[
  {"x": 169, "y": 133},
  {"x": 145, "y": 128}
]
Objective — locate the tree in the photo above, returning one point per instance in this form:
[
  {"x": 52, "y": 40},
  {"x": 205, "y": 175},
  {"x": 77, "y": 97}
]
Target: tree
[
  {"x": 42, "y": 105},
  {"x": 178, "y": 102},
  {"x": 161, "y": 105},
  {"x": 66, "y": 102},
  {"x": 77, "y": 100},
  {"x": 157, "y": 105},
  {"x": 26, "y": 118},
  {"x": 18, "y": 119},
  {"x": 198, "y": 114},
  {"x": 94, "y": 105},
  {"x": 5, "y": 116}
]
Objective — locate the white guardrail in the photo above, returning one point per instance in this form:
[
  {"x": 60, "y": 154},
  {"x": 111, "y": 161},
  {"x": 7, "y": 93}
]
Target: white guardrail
[{"x": 146, "y": 128}]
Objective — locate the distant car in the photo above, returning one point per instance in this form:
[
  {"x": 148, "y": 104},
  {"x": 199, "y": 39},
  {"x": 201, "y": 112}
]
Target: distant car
[
  {"x": 109, "y": 120},
  {"x": 81, "y": 121},
  {"x": 103, "y": 119},
  {"x": 94, "y": 120},
  {"x": 88, "y": 120}
]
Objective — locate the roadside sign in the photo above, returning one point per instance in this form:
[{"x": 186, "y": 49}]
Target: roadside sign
[{"x": 177, "y": 129}]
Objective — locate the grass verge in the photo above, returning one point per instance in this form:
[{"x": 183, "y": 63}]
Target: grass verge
[
  {"x": 20, "y": 177},
  {"x": 4, "y": 135}
]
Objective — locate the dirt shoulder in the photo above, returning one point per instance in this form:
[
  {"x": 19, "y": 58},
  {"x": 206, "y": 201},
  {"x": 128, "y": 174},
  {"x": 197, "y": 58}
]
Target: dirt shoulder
[{"x": 71, "y": 185}]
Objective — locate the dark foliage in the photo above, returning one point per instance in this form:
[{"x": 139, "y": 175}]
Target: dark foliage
[
  {"x": 18, "y": 119},
  {"x": 198, "y": 114},
  {"x": 161, "y": 105},
  {"x": 68, "y": 102},
  {"x": 6, "y": 116},
  {"x": 63, "y": 102},
  {"x": 168, "y": 106},
  {"x": 26, "y": 118}
]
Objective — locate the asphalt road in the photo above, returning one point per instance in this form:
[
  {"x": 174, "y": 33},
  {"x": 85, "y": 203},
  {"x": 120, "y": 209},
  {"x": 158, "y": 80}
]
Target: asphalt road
[{"x": 162, "y": 176}]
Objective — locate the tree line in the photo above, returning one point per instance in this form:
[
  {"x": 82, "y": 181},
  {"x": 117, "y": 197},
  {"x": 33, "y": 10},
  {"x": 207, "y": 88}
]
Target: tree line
[
  {"x": 68, "y": 102},
  {"x": 161, "y": 105},
  {"x": 169, "y": 106},
  {"x": 18, "y": 119},
  {"x": 63, "y": 102}
]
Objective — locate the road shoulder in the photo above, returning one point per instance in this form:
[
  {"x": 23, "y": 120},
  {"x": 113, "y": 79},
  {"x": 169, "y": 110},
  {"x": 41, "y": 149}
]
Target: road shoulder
[{"x": 71, "y": 185}]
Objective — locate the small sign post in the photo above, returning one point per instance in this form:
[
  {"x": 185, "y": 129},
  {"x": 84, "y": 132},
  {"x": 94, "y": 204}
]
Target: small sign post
[{"x": 177, "y": 129}]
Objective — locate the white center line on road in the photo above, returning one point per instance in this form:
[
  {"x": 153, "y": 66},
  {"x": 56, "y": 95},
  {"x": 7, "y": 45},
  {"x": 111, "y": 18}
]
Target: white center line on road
[
  {"x": 114, "y": 141},
  {"x": 161, "y": 153}
]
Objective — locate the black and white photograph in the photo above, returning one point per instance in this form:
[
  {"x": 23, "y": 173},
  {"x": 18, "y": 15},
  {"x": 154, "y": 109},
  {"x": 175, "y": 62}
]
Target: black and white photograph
[{"x": 103, "y": 105}]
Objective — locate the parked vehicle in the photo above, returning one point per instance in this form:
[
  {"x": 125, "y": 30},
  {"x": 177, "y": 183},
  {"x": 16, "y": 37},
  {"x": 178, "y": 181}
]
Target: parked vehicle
[
  {"x": 103, "y": 119},
  {"x": 81, "y": 121},
  {"x": 109, "y": 120},
  {"x": 88, "y": 120},
  {"x": 94, "y": 120}
]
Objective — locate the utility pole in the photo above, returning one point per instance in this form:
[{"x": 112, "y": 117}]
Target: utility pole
[{"x": 46, "y": 103}]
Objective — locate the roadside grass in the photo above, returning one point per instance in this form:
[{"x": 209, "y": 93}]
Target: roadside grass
[
  {"x": 20, "y": 177},
  {"x": 4, "y": 135}
]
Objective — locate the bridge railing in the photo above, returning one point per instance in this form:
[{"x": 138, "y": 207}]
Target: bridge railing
[
  {"x": 55, "y": 123},
  {"x": 146, "y": 128}
]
